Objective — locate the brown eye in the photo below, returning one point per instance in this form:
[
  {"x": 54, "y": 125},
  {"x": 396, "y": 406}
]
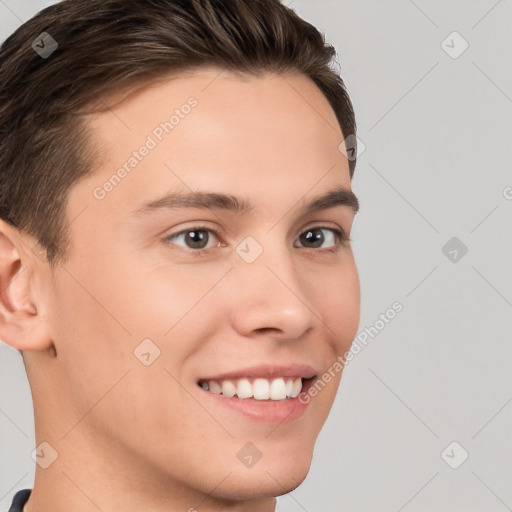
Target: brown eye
[
  {"x": 193, "y": 238},
  {"x": 315, "y": 238},
  {"x": 196, "y": 239},
  {"x": 312, "y": 238}
]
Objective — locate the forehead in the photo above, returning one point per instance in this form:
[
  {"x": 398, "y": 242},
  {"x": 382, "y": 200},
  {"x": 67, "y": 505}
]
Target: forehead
[
  {"x": 240, "y": 106},
  {"x": 272, "y": 135}
]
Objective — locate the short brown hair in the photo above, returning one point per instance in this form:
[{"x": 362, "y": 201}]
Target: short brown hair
[{"x": 107, "y": 46}]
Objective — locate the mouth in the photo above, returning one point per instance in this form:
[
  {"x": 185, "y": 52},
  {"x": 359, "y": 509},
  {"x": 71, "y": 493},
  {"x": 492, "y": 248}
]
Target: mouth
[
  {"x": 261, "y": 389},
  {"x": 267, "y": 393}
]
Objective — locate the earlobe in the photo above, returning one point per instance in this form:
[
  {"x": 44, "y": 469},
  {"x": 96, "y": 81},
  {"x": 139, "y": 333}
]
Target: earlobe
[{"x": 21, "y": 325}]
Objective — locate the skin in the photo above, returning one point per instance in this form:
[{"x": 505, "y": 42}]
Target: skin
[{"x": 133, "y": 437}]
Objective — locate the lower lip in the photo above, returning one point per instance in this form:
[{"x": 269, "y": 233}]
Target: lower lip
[{"x": 267, "y": 411}]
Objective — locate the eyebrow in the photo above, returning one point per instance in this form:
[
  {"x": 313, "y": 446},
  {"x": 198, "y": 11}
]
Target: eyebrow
[{"x": 336, "y": 197}]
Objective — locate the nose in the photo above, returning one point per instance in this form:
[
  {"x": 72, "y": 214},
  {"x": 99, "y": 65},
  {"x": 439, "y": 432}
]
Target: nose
[{"x": 269, "y": 298}]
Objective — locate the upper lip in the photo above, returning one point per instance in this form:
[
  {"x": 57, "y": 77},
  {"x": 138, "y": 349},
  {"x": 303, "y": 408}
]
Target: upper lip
[{"x": 266, "y": 371}]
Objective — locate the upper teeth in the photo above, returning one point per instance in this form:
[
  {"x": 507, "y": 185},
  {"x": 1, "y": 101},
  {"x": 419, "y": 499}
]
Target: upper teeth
[{"x": 260, "y": 389}]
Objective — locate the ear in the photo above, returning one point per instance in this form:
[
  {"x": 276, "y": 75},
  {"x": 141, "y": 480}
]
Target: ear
[{"x": 21, "y": 324}]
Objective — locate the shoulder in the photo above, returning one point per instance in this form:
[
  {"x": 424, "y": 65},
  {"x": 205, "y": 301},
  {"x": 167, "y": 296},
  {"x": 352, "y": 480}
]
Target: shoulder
[{"x": 19, "y": 500}]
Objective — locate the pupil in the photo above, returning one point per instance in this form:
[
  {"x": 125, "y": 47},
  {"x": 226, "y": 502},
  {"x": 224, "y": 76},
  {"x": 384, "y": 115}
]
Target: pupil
[
  {"x": 197, "y": 239},
  {"x": 313, "y": 236}
]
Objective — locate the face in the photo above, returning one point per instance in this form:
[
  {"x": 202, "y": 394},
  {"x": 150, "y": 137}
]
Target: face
[{"x": 202, "y": 264}]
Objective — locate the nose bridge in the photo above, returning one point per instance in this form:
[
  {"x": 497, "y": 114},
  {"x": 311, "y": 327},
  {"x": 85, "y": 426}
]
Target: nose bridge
[{"x": 269, "y": 292}]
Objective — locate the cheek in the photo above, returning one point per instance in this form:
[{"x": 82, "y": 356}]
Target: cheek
[
  {"x": 336, "y": 292},
  {"x": 147, "y": 297},
  {"x": 170, "y": 298}
]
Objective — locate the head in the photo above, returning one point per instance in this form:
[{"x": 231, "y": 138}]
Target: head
[{"x": 174, "y": 211}]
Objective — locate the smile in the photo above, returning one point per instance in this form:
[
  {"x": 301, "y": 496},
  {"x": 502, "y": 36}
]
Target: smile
[{"x": 280, "y": 388}]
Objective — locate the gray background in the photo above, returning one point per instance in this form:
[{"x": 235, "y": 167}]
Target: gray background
[{"x": 437, "y": 159}]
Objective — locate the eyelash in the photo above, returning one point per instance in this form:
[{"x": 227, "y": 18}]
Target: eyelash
[{"x": 339, "y": 234}]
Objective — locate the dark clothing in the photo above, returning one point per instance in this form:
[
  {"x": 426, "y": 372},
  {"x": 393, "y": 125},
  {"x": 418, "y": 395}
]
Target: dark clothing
[{"x": 19, "y": 500}]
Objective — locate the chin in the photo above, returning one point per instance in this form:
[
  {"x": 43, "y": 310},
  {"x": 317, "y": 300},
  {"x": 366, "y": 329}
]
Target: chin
[{"x": 272, "y": 479}]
